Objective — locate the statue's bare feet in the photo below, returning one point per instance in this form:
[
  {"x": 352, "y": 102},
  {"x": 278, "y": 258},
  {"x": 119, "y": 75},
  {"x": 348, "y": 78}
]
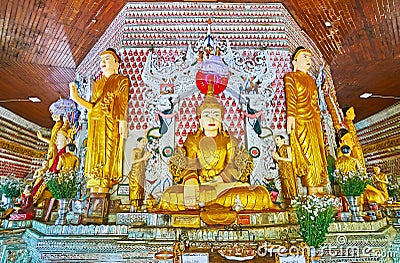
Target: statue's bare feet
[{"x": 191, "y": 203}]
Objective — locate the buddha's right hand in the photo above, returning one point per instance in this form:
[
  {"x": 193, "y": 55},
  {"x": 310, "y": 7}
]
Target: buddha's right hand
[
  {"x": 290, "y": 124},
  {"x": 73, "y": 90},
  {"x": 190, "y": 191}
]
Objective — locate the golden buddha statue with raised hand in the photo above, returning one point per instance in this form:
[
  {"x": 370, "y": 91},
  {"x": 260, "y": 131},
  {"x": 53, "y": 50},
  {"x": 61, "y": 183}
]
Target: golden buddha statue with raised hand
[{"x": 211, "y": 168}]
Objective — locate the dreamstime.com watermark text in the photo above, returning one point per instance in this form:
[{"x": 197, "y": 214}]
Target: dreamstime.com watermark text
[{"x": 341, "y": 248}]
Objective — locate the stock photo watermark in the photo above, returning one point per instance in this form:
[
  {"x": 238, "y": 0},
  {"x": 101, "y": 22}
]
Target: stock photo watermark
[{"x": 341, "y": 249}]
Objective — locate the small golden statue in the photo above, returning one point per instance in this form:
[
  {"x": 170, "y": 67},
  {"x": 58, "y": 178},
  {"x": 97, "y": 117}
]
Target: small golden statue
[
  {"x": 137, "y": 174},
  {"x": 356, "y": 149},
  {"x": 346, "y": 164},
  {"x": 283, "y": 156}
]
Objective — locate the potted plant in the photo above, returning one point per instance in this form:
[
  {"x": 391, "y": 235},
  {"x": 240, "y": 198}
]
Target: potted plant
[
  {"x": 352, "y": 185},
  {"x": 11, "y": 188},
  {"x": 393, "y": 189},
  {"x": 314, "y": 214},
  {"x": 63, "y": 186}
]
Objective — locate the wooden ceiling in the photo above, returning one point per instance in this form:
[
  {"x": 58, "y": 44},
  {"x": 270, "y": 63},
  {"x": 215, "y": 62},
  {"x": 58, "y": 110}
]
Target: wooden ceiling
[{"x": 43, "y": 41}]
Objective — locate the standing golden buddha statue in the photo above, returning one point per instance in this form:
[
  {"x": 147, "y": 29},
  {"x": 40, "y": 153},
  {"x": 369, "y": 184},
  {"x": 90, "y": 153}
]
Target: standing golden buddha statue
[
  {"x": 304, "y": 124},
  {"x": 107, "y": 126},
  {"x": 211, "y": 167}
]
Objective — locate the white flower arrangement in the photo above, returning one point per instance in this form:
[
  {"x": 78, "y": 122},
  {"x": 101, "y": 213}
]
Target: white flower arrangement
[
  {"x": 62, "y": 185},
  {"x": 12, "y": 187},
  {"x": 314, "y": 217},
  {"x": 352, "y": 183}
]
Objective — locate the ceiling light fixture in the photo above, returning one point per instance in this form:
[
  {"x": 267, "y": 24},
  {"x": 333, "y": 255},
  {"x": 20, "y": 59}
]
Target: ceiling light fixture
[
  {"x": 94, "y": 20},
  {"x": 30, "y": 99},
  {"x": 367, "y": 95},
  {"x": 328, "y": 24}
]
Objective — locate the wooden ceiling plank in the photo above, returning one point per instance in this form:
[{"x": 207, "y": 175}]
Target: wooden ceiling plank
[
  {"x": 14, "y": 30},
  {"x": 52, "y": 43},
  {"x": 375, "y": 19},
  {"x": 72, "y": 33},
  {"x": 52, "y": 27},
  {"x": 84, "y": 30},
  {"x": 69, "y": 12},
  {"x": 391, "y": 41},
  {"x": 49, "y": 25},
  {"x": 82, "y": 19},
  {"x": 386, "y": 34},
  {"x": 37, "y": 29},
  {"x": 29, "y": 38},
  {"x": 383, "y": 32},
  {"x": 21, "y": 31},
  {"x": 302, "y": 18},
  {"x": 396, "y": 25},
  {"x": 42, "y": 26},
  {"x": 393, "y": 23},
  {"x": 4, "y": 23},
  {"x": 347, "y": 19},
  {"x": 33, "y": 34},
  {"x": 339, "y": 27},
  {"x": 6, "y": 32},
  {"x": 59, "y": 46}
]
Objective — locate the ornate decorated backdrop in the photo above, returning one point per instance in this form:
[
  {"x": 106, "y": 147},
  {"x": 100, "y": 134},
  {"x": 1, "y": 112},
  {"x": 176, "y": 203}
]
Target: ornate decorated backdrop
[{"x": 159, "y": 44}]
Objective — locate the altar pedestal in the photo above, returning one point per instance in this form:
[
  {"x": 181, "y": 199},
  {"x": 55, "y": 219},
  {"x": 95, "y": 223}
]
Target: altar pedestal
[{"x": 138, "y": 237}]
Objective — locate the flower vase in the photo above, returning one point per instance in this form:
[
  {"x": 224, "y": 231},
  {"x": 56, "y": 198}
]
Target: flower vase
[
  {"x": 62, "y": 211},
  {"x": 315, "y": 255},
  {"x": 354, "y": 209}
]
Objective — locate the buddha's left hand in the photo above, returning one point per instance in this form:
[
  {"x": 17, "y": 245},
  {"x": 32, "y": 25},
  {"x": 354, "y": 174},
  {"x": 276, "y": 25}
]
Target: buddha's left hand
[{"x": 123, "y": 128}]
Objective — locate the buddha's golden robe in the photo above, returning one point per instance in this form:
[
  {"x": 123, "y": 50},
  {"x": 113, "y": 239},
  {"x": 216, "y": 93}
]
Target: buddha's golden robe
[
  {"x": 309, "y": 160},
  {"x": 222, "y": 170},
  {"x": 380, "y": 185},
  {"x": 287, "y": 176},
  {"x": 103, "y": 164},
  {"x": 347, "y": 164},
  {"x": 209, "y": 158},
  {"x": 39, "y": 185},
  {"x": 68, "y": 162},
  {"x": 52, "y": 150}
]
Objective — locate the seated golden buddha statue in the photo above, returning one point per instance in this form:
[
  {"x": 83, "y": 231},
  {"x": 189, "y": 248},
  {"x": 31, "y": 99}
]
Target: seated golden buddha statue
[
  {"x": 211, "y": 168},
  {"x": 346, "y": 164}
]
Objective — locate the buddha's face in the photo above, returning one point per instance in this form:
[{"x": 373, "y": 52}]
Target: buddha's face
[
  {"x": 210, "y": 119},
  {"x": 61, "y": 141},
  {"x": 350, "y": 114},
  {"x": 303, "y": 61},
  {"x": 108, "y": 64}
]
